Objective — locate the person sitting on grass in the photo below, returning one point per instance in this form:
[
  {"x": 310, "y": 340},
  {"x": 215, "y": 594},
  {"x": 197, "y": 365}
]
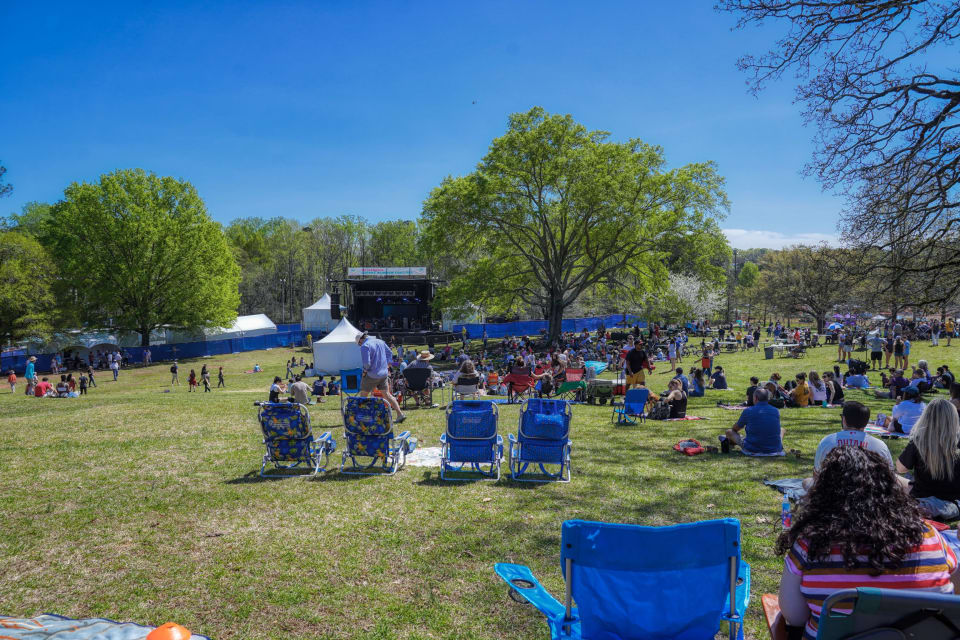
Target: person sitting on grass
[
  {"x": 300, "y": 391},
  {"x": 944, "y": 378},
  {"x": 857, "y": 528},
  {"x": 333, "y": 389},
  {"x": 934, "y": 459},
  {"x": 684, "y": 382},
  {"x": 676, "y": 397},
  {"x": 896, "y": 384},
  {"x": 800, "y": 394},
  {"x": 754, "y": 385},
  {"x": 696, "y": 383},
  {"x": 906, "y": 412},
  {"x": 718, "y": 380},
  {"x": 818, "y": 389},
  {"x": 763, "y": 435},
  {"x": 856, "y": 381},
  {"x": 854, "y": 417},
  {"x": 43, "y": 388},
  {"x": 834, "y": 388},
  {"x": 276, "y": 389},
  {"x": 319, "y": 388}
]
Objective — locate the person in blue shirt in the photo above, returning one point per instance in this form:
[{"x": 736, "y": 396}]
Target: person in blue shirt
[
  {"x": 763, "y": 434},
  {"x": 696, "y": 383},
  {"x": 683, "y": 379},
  {"x": 858, "y": 381},
  {"x": 718, "y": 380},
  {"x": 375, "y": 356}
]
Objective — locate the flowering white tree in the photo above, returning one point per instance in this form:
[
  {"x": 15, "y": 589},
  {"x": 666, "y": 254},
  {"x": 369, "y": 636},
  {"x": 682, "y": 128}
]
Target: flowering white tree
[{"x": 700, "y": 299}]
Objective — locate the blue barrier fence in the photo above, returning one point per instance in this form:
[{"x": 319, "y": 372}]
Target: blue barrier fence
[{"x": 534, "y": 327}]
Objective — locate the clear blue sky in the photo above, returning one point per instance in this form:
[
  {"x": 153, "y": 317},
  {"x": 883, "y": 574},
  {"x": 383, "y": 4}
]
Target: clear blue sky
[{"x": 307, "y": 109}]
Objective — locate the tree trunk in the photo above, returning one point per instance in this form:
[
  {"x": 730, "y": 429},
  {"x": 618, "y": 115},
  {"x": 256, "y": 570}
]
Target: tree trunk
[
  {"x": 144, "y": 337},
  {"x": 555, "y": 319}
]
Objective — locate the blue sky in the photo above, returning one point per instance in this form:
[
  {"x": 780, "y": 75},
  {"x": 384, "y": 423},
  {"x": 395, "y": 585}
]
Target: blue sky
[{"x": 322, "y": 108}]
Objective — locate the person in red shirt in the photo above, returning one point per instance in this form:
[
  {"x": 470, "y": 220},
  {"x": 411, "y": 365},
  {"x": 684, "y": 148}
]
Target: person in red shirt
[{"x": 42, "y": 388}]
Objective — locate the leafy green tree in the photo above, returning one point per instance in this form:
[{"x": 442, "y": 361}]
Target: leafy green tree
[
  {"x": 141, "y": 252},
  {"x": 805, "y": 279},
  {"x": 5, "y": 187},
  {"x": 749, "y": 273},
  {"x": 31, "y": 220},
  {"x": 554, "y": 210},
  {"x": 26, "y": 299}
]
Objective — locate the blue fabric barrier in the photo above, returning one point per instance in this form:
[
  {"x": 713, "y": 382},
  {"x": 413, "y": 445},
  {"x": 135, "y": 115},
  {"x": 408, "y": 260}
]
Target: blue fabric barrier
[{"x": 533, "y": 327}]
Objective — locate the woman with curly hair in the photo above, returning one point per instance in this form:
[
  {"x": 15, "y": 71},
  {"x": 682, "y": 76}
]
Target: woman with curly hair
[
  {"x": 934, "y": 458},
  {"x": 857, "y": 528}
]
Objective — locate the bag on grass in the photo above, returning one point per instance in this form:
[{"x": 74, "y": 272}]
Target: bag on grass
[
  {"x": 689, "y": 447},
  {"x": 660, "y": 411}
]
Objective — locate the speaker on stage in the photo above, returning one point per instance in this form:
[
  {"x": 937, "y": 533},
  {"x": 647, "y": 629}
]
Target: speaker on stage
[{"x": 335, "y": 305}]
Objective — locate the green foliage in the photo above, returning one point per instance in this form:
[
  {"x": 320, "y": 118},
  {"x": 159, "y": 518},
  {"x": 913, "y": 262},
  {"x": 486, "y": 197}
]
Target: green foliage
[
  {"x": 26, "y": 300},
  {"x": 749, "y": 273},
  {"x": 140, "y": 252},
  {"x": 554, "y": 210},
  {"x": 31, "y": 220},
  {"x": 805, "y": 279}
]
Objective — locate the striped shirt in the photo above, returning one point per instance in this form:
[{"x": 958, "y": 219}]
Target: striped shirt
[{"x": 926, "y": 567}]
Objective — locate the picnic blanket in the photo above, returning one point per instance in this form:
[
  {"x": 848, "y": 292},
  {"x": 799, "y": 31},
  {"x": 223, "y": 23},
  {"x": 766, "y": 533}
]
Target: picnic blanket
[
  {"x": 50, "y": 626},
  {"x": 790, "y": 487},
  {"x": 732, "y": 407},
  {"x": 424, "y": 457},
  {"x": 684, "y": 418},
  {"x": 874, "y": 430}
]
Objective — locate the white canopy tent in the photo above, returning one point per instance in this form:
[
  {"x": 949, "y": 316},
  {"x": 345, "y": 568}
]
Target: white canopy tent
[
  {"x": 337, "y": 350},
  {"x": 243, "y": 327},
  {"x": 317, "y": 315}
]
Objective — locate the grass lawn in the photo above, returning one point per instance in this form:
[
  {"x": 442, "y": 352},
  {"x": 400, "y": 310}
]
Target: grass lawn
[{"x": 133, "y": 503}]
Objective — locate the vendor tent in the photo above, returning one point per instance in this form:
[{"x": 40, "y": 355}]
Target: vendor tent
[
  {"x": 243, "y": 327},
  {"x": 317, "y": 315},
  {"x": 337, "y": 350}
]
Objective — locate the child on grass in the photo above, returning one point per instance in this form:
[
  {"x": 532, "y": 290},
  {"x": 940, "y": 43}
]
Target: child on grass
[{"x": 12, "y": 381}]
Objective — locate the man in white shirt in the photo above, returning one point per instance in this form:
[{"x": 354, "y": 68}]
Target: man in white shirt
[{"x": 854, "y": 417}]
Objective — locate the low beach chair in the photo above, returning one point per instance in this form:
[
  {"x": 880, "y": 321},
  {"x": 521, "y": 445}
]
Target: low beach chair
[
  {"x": 471, "y": 442},
  {"x": 288, "y": 439},
  {"x": 349, "y": 384},
  {"x": 631, "y": 581},
  {"x": 633, "y": 407},
  {"x": 468, "y": 387},
  {"x": 368, "y": 427},
  {"x": 542, "y": 439}
]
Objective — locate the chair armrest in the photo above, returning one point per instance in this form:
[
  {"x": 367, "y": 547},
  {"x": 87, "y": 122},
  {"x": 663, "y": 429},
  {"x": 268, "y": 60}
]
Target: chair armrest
[
  {"x": 443, "y": 438},
  {"x": 743, "y": 591},
  {"x": 535, "y": 594},
  {"x": 512, "y": 439},
  {"x": 324, "y": 437},
  {"x": 402, "y": 435},
  {"x": 499, "y": 440}
]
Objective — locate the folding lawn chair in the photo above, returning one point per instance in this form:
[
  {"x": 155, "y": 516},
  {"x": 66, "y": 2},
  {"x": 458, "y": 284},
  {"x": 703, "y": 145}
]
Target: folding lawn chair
[
  {"x": 368, "y": 425},
  {"x": 519, "y": 387},
  {"x": 349, "y": 384},
  {"x": 471, "y": 439},
  {"x": 631, "y": 581},
  {"x": 418, "y": 386},
  {"x": 288, "y": 439},
  {"x": 633, "y": 406},
  {"x": 468, "y": 386},
  {"x": 542, "y": 439},
  {"x": 574, "y": 387}
]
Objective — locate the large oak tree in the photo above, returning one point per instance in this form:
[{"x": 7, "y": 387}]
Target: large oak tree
[
  {"x": 554, "y": 210},
  {"x": 141, "y": 252}
]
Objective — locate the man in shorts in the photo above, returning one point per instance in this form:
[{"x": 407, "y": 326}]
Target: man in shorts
[
  {"x": 634, "y": 363},
  {"x": 375, "y": 356},
  {"x": 876, "y": 350}
]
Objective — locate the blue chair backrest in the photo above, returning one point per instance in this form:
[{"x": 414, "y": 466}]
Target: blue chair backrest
[
  {"x": 635, "y": 401},
  {"x": 368, "y": 425},
  {"x": 542, "y": 419},
  {"x": 350, "y": 380},
  {"x": 878, "y": 608},
  {"x": 474, "y": 420},
  {"x": 631, "y": 581},
  {"x": 286, "y": 430}
]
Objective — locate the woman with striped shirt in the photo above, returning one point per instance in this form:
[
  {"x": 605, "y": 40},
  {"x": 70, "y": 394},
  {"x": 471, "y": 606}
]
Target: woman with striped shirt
[{"x": 857, "y": 528}]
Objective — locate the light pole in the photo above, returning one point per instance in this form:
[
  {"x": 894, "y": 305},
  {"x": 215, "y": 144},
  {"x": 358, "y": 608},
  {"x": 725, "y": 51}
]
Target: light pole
[{"x": 283, "y": 300}]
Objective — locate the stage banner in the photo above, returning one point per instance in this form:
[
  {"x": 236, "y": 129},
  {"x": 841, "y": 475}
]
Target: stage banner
[{"x": 354, "y": 272}]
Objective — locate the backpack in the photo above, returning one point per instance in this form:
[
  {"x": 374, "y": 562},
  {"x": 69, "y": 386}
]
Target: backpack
[
  {"x": 689, "y": 447},
  {"x": 173, "y": 369},
  {"x": 659, "y": 411}
]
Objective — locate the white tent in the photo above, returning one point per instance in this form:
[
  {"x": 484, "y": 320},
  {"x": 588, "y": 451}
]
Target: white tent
[
  {"x": 337, "y": 350},
  {"x": 317, "y": 315}
]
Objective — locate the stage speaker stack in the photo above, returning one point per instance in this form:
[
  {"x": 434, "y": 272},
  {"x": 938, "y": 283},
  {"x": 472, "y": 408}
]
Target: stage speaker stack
[{"x": 335, "y": 305}]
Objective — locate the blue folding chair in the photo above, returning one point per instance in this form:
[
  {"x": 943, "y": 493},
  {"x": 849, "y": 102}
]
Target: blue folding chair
[
  {"x": 471, "y": 439},
  {"x": 288, "y": 439},
  {"x": 542, "y": 439},
  {"x": 368, "y": 423},
  {"x": 633, "y": 406},
  {"x": 349, "y": 384},
  {"x": 631, "y": 581},
  {"x": 889, "y": 613}
]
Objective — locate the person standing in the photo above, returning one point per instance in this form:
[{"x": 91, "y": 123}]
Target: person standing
[
  {"x": 220, "y": 382},
  {"x": 115, "y": 368},
  {"x": 147, "y": 357},
  {"x": 876, "y": 350},
  {"x": 484, "y": 338},
  {"x": 83, "y": 385},
  {"x": 949, "y": 327},
  {"x": 30, "y": 374},
  {"x": 12, "y": 380},
  {"x": 93, "y": 381},
  {"x": 174, "y": 374},
  {"x": 205, "y": 376},
  {"x": 375, "y": 356}
]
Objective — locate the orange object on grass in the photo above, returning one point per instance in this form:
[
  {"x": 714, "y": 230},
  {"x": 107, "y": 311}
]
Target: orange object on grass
[{"x": 169, "y": 631}]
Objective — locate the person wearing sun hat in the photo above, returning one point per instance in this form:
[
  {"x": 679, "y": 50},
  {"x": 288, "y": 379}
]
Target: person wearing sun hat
[
  {"x": 30, "y": 374},
  {"x": 375, "y": 356}
]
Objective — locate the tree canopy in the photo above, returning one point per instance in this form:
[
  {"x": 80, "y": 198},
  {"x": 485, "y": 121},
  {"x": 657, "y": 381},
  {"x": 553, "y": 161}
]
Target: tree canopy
[
  {"x": 554, "y": 211},
  {"x": 26, "y": 299},
  {"x": 141, "y": 252}
]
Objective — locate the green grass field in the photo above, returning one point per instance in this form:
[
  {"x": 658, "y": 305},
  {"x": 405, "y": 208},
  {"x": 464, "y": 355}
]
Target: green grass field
[{"x": 136, "y": 504}]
